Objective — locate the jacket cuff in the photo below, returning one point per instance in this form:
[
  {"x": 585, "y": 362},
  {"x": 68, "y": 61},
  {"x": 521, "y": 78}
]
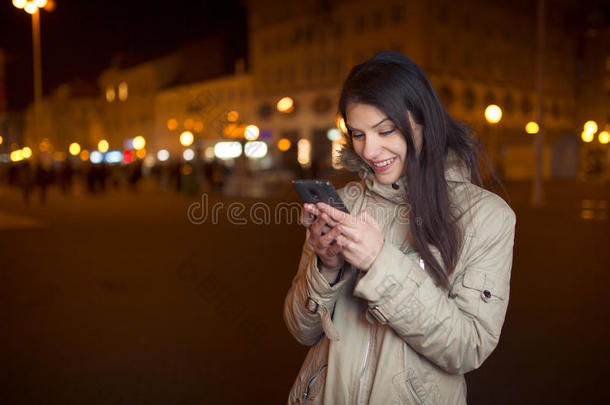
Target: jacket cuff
[
  {"x": 392, "y": 279},
  {"x": 318, "y": 286}
]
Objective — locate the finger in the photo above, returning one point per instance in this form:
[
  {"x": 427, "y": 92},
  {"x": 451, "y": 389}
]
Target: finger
[
  {"x": 312, "y": 209},
  {"x": 334, "y": 213},
  {"x": 306, "y": 218},
  {"x": 327, "y": 239},
  {"x": 344, "y": 243},
  {"x": 318, "y": 227},
  {"x": 350, "y": 233},
  {"x": 329, "y": 220}
]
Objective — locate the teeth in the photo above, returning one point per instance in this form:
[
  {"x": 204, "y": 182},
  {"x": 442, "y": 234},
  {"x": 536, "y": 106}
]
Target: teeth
[{"x": 384, "y": 163}]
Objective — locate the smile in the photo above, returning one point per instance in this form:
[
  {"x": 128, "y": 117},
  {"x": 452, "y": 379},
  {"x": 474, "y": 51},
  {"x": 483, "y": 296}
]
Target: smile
[{"x": 383, "y": 165}]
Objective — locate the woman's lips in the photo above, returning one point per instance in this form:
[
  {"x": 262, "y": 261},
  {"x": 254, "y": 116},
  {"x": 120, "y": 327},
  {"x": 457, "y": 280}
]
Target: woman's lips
[{"x": 383, "y": 168}]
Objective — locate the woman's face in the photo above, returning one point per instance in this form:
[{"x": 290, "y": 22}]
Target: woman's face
[{"x": 377, "y": 140}]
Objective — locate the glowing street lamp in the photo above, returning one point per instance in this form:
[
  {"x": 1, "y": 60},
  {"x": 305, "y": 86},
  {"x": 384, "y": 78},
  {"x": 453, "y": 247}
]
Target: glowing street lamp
[
  {"x": 103, "y": 146},
  {"x": 604, "y": 137},
  {"x": 587, "y": 136},
  {"x": 26, "y": 152},
  {"x": 32, "y": 8},
  {"x": 285, "y": 105},
  {"x": 590, "y": 127},
  {"x": 186, "y": 138},
  {"x": 493, "y": 114},
  {"x": 251, "y": 132},
  {"x": 138, "y": 142},
  {"x": 532, "y": 128},
  {"x": 74, "y": 149}
]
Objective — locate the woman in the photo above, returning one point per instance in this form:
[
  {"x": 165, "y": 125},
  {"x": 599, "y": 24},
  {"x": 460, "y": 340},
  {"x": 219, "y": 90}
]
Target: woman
[{"x": 402, "y": 297}]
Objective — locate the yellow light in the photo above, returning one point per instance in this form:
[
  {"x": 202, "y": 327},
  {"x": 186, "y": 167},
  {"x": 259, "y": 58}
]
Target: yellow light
[
  {"x": 141, "y": 153},
  {"x": 26, "y": 152},
  {"x": 186, "y": 138},
  {"x": 19, "y": 3},
  {"x": 304, "y": 152},
  {"x": 341, "y": 124},
  {"x": 123, "y": 91},
  {"x": 198, "y": 126},
  {"x": 30, "y": 8},
  {"x": 590, "y": 127},
  {"x": 284, "y": 144},
  {"x": 103, "y": 146},
  {"x": 110, "y": 94},
  {"x": 74, "y": 149},
  {"x": 50, "y": 5},
  {"x": 40, "y": 3},
  {"x": 604, "y": 137},
  {"x": 532, "y": 128},
  {"x": 232, "y": 116},
  {"x": 172, "y": 124},
  {"x": 138, "y": 142},
  {"x": 587, "y": 136},
  {"x": 59, "y": 156},
  {"x": 45, "y": 145},
  {"x": 84, "y": 155},
  {"x": 251, "y": 132},
  {"x": 1, "y": 140},
  {"x": 285, "y": 105},
  {"x": 16, "y": 155},
  {"x": 188, "y": 123},
  {"x": 493, "y": 114}
]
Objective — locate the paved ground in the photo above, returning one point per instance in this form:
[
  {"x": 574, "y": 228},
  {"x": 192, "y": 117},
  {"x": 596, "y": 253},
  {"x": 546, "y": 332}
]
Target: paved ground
[{"x": 120, "y": 299}]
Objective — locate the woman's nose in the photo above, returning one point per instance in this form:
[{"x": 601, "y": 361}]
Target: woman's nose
[{"x": 371, "y": 147}]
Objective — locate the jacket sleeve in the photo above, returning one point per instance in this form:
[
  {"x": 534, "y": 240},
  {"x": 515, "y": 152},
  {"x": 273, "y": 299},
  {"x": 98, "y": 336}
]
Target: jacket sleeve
[
  {"x": 311, "y": 299},
  {"x": 456, "y": 331}
]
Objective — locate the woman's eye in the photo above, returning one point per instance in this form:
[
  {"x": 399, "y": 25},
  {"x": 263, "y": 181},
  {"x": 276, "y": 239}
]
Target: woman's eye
[
  {"x": 387, "y": 132},
  {"x": 357, "y": 135}
]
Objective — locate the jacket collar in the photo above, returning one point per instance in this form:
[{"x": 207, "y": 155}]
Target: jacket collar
[{"x": 455, "y": 171}]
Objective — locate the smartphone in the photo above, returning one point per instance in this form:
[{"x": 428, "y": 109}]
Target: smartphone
[{"x": 315, "y": 191}]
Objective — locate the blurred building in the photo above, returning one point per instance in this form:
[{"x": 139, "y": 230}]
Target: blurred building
[
  {"x": 475, "y": 52},
  {"x": 71, "y": 113},
  {"x": 130, "y": 89}
]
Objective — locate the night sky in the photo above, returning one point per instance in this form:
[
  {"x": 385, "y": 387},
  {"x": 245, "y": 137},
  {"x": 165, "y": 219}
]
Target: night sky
[{"x": 81, "y": 37}]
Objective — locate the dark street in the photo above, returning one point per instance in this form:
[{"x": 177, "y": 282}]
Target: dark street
[{"x": 120, "y": 299}]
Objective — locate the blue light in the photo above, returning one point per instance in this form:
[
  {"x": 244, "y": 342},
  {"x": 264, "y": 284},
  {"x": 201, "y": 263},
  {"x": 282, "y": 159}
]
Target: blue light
[
  {"x": 113, "y": 156},
  {"x": 96, "y": 157}
]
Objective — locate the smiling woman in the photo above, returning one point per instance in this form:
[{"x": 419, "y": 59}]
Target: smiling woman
[{"x": 397, "y": 312}]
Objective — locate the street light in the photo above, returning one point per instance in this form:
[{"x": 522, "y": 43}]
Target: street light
[
  {"x": 532, "y": 128},
  {"x": 32, "y": 7},
  {"x": 604, "y": 137},
  {"x": 493, "y": 115},
  {"x": 590, "y": 127}
]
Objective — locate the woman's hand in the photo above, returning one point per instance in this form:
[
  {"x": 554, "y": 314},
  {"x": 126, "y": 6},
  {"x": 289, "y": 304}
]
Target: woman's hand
[
  {"x": 322, "y": 236},
  {"x": 360, "y": 237}
]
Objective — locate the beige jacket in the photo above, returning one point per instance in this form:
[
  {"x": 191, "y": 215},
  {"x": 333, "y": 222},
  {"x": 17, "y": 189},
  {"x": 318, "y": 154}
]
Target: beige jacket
[{"x": 390, "y": 335}]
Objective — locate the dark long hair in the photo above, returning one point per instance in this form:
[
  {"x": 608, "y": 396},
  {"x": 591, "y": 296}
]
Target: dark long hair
[{"x": 394, "y": 84}]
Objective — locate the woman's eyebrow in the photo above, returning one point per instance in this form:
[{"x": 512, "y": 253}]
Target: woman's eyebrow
[{"x": 376, "y": 125}]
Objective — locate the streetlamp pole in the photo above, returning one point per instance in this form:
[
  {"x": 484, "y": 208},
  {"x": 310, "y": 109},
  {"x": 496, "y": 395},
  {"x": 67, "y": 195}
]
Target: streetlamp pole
[{"x": 37, "y": 64}]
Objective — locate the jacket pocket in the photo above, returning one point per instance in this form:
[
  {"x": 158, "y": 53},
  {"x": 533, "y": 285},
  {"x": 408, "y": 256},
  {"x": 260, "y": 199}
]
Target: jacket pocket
[
  {"x": 483, "y": 288},
  {"x": 311, "y": 379},
  {"x": 409, "y": 389}
]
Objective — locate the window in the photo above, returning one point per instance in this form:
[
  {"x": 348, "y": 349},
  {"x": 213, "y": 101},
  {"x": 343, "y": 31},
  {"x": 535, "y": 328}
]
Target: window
[
  {"x": 360, "y": 24},
  {"x": 397, "y": 13}
]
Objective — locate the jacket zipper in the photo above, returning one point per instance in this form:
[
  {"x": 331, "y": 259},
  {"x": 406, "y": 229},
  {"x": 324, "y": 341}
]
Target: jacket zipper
[
  {"x": 364, "y": 362},
  {"x": 413, "y": 392},
  {"x": 306, "y": 395}
]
